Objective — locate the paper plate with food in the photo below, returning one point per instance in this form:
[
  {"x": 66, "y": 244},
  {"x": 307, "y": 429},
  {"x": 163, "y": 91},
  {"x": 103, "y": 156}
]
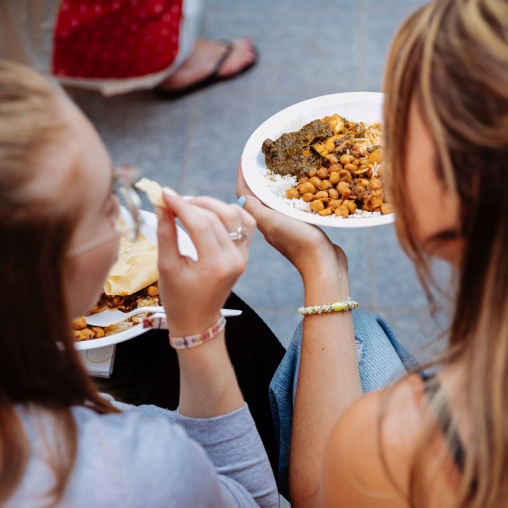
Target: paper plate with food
[
  {"x": 131, "y": 283},
  {"x": 321, "y": 161}
]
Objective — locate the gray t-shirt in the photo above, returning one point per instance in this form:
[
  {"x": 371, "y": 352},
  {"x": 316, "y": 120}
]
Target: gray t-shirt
[{"x": 139, "y": 459}]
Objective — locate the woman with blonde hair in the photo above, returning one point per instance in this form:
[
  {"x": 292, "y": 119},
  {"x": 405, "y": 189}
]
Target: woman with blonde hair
[
  {"x": 61, "y": 442},
  {"x": 428, "y": 440}
]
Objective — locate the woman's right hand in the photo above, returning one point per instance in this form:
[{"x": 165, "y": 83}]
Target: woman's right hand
[{"x": 193, "y": 292}]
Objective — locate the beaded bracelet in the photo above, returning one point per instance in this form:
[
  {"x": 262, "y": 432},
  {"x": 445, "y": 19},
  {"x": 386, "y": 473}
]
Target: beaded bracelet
[
  {"x": 200, "y": 338},
  {"x": 347, "y": 304}
]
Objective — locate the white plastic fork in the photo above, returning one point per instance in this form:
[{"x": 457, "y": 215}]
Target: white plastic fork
[{"x": 111, "y": 317}]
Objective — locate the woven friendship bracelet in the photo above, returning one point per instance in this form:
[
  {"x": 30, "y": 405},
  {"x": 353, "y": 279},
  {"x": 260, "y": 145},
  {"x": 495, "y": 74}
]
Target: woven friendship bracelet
[
  {"x": 346, "y": 305},
  {"x": 200, "y": 338}
]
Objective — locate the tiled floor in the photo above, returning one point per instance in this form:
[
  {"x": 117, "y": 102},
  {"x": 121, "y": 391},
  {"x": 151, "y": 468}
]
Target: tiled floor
[
  {"x": 194, "y": 144},
  {"x": 306, "y": 49}
]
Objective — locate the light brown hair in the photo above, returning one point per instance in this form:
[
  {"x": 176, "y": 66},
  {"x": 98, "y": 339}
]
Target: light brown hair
[
  {"x": 451, "y": 56},
  {"x": 39, "y": 366}
]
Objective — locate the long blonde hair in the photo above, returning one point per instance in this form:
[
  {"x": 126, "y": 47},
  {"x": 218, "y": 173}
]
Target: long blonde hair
[
  {"x": 451, "y": 56},
  {"x": 39, "y": 366}
]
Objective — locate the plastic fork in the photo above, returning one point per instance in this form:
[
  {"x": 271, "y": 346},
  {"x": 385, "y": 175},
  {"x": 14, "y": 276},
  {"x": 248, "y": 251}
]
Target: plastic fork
[{"x": 112, "y": 317}]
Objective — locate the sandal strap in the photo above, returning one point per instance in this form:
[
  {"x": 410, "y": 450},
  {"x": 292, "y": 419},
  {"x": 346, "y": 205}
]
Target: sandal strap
[{"x": 229, "y": 46}]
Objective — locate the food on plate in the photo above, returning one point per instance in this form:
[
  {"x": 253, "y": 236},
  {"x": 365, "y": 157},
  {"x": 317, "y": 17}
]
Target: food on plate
[
  {"x": 154, "y": 191},
  {"x": 291, "y": 153},
  {"x": 131, "y": 283},
  {"x": 330, "y": 167}
]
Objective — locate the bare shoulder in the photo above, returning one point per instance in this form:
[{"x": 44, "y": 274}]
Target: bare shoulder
[{"x": 369, "y": 456}]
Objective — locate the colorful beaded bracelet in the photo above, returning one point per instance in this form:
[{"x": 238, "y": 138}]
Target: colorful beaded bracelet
[
  {"x": 347, "y": 304},
  {"x": 200, "y": 338}
]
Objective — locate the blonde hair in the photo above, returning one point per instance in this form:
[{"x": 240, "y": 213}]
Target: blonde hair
[
  {"x": 451, "y": 57},
  {"x": 39, "y": 366}
]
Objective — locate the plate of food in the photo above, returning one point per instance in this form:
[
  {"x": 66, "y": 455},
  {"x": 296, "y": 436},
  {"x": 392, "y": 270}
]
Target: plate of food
[
  {"x": 131, "y": 283},
  {"x": 320, "y": 161}
]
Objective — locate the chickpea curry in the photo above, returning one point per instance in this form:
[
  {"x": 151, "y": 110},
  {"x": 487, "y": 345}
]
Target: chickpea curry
[
  {"x": 148, "y": 296},
  {"x": 337, "y": 163}
]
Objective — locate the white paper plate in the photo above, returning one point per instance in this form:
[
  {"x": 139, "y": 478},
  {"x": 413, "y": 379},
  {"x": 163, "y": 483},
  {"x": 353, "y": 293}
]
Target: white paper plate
[
  {"x": 355, "y": 106},
  {"x": 149, "y": 229}
]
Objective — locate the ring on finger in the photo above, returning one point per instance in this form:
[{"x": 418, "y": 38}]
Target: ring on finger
[{"x": 240, "y": 235}]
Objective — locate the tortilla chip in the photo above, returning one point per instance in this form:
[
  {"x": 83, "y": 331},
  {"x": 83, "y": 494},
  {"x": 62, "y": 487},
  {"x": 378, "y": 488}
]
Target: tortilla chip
[
  {"x": 135, "y": 269},
  {"x": 154, "y": 191}
]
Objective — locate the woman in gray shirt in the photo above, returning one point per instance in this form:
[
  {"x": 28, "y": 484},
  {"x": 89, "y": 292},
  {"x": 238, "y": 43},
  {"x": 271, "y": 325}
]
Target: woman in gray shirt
[{"x": 62, "y": 443}]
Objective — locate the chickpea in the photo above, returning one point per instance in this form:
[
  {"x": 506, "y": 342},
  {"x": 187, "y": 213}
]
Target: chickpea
[
  {"x": 351, "y": 168},
  {"x": 317, "y": 205},
  {"x": 290, "y": 194},
  {"x": 345, "y": 175},
  {"x": 351, "y": 205},
  {"x": 333, "y": 159},
  {"x": 345, "y": 159},
  {"x": 308, "y": 197},
  {"x": 375, "y": 156},
  {"x": 335, "y": 167},
  {"x": 154, "y": 290},
  {"x": 325, "y": 185},
  {"x": 325, "y": 212},
  {"x": 79, "y": 323},
  {"x": 335, "y": 203},
  {"x": 333, "y": 194},
  {"x": 375, "y": 184},
  {"x": 346, "y": 193},
  {"x": 87, "y": 334},
  {"x": 322, "y": 173},
  {"x": 362, "y": 182},
  {"x": 98, "y": 332},
  {"x": 377, "y": 198},
  {"x": 321, "y": 195},
  {"x": 306, "y": 188},
  {"x": 386, "y": 208},
  {"x": 356, "y": 162},
  {"x": 303, "y": 179},
  {"x": 315, "y": 181},
  {"x": 342, "y": 186},
  {"x": 334, "y": 178},
  {"x": 312, "y": 172},
  {"x": 342, "y": 211}
]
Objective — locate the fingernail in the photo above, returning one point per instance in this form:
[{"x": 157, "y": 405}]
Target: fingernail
[
  {"x": 241, "y": 201},
  {"x": 187, "y": 198}
]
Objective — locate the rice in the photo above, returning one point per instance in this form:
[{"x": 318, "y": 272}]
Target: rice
[{"x": 279, "y": 184}]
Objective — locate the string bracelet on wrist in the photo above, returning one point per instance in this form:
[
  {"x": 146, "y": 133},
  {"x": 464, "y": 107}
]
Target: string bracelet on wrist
[
  {"x": 200, "y": 338},
  {"x": 347, "y": 305}
]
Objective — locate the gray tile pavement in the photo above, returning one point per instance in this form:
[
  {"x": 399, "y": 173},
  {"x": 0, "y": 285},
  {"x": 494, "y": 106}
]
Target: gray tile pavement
[{"x": 193, "y": 144}]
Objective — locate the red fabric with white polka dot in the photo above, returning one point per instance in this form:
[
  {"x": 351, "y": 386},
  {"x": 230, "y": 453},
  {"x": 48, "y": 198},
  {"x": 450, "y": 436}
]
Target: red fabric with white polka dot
[{"x": 110, "y": 39}]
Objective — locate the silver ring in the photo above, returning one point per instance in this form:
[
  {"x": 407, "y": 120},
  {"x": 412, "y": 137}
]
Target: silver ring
[{"x": 240, "y": 235}]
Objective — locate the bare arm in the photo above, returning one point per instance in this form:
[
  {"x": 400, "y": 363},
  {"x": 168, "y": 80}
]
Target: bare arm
[
  {"x": 329, "y": 380},
  {"x": 193, "y": 294}
]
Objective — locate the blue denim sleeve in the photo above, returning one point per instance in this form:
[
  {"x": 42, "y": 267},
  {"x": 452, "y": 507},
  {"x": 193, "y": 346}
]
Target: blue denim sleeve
[{"x": 381, "y": 360}]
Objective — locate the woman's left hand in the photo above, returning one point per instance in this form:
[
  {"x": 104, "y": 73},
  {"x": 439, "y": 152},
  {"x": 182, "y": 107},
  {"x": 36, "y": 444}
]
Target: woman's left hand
[{"x": 306, "y": 246}]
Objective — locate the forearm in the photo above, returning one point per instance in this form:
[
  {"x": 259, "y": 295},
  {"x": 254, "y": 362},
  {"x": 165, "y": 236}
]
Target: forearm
[
  {"x": 328, "y": 383},
  {"x": 208, "y": 385}
]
